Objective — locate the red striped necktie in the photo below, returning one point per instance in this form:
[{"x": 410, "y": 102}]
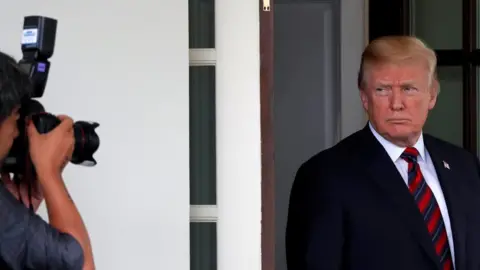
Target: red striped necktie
[{"x": 428, "y": 206}]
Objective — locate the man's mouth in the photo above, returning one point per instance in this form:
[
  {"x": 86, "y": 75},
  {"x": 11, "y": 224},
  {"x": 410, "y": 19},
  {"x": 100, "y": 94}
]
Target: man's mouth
[{"x": 398, "y": 120}]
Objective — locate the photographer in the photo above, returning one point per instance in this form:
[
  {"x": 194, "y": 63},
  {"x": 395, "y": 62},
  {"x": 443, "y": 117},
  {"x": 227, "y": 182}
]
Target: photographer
[{"x": 26, "y": 240}]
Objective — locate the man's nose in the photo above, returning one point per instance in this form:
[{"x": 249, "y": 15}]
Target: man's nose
[{"x": 396, "y": 100}]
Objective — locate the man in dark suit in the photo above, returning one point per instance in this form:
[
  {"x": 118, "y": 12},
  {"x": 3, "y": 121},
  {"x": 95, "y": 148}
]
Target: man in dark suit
[{"x": 388, "y": 197}]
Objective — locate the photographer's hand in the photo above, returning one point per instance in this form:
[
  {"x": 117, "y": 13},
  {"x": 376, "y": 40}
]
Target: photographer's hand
[
  {"x": 43, "y": 162},
  {"x": 50, "y": 153}
]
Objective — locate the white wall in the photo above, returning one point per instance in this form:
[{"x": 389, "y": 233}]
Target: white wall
[
  {"x": 124, "y": 64},
  {"x": 238, "y": 135}
]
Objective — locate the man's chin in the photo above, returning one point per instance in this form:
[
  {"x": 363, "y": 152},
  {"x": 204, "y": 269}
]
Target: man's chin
[{"x": 403, "y": 136}]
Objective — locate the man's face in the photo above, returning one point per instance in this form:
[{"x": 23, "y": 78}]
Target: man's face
[
  {"x": 397, "y": 99},
  {"x": 8, "y": 133}
]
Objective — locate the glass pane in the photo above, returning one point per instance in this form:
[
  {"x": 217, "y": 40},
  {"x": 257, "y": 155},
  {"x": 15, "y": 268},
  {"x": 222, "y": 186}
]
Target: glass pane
[
  {"x": 446, "y": 119},
  {"x": 201, "y": 23},
  {"x": 438, "y": 23},
  {"x": 203, "y": 246},
  {"x": 202, "y": 135}
]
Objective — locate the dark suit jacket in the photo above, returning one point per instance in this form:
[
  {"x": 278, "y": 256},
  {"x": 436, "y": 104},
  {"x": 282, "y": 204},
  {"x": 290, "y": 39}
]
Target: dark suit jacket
[
  {"x": 350, "y": 209},
  {"x": 28, "y": 242}
]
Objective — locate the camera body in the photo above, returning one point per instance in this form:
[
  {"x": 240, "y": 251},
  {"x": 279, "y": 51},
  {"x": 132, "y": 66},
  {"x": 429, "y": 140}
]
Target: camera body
[{"x": 38, "y": 43}]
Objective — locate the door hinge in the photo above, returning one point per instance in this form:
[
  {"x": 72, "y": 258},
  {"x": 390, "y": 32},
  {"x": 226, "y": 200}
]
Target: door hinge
[{"x": 266, "y": 5}]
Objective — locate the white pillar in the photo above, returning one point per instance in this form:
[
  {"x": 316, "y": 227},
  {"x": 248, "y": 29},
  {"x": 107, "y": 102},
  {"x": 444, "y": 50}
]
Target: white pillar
[{"x": 238, "y": 134}]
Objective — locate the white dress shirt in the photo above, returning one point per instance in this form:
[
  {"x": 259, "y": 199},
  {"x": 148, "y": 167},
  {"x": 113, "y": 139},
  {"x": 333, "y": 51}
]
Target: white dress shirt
[{"x": 428, "y": 171}]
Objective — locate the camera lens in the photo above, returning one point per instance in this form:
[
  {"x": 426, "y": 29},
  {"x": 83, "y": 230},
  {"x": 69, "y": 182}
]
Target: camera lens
[{"x": 86, "y": 143}]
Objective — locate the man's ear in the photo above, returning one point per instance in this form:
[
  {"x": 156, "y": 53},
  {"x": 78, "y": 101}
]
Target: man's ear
[{"x": 364, "y": 99}]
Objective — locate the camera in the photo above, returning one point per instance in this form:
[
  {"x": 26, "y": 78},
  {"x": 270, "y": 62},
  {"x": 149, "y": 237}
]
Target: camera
[{"x": 38, "y": 42}]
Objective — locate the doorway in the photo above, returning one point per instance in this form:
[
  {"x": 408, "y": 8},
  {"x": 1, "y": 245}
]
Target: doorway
[
  {"x": 305, "y": 104},
  {"x": 310, "y": 54}
]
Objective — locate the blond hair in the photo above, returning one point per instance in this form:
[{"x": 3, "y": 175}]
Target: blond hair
[{"x": 397, "y": 50}]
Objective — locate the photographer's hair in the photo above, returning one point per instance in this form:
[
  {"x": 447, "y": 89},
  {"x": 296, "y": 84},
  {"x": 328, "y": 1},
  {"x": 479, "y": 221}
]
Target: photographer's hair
[
  {"x": 397, "y": 50},
  {"x": 15, "y": 85}
]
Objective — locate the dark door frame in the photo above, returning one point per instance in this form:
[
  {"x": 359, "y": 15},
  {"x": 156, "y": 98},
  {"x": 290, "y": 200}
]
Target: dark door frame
[
  {"x": 397, "y": 14},
  {"x": 267, "y": 146}
]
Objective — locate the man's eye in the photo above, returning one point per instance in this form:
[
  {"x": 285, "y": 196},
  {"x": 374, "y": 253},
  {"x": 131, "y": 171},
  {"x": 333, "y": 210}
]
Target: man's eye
[
  {"x": 409, "y": 89},
  {"x": 382, "y": 91}
]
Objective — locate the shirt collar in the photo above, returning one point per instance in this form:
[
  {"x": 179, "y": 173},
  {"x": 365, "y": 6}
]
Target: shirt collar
[{"x": 395, "y": 151}]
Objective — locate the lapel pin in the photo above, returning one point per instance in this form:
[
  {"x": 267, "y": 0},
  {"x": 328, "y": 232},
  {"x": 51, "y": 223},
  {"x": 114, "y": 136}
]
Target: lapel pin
[{"x": 445, "y": 164}]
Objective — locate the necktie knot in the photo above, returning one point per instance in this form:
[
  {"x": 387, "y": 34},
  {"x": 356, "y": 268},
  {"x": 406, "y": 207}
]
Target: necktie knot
[{"x": 410, "y": 154}]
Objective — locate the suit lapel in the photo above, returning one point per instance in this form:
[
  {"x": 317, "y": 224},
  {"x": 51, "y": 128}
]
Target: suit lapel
[
  {"x": 446, "y": 173},
  {"x": 384, "y": 173}
]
